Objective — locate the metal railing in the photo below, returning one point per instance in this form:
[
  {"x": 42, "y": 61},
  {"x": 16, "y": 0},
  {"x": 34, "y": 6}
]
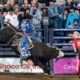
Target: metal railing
[
  {"x": 49, "y": 38},
  {"x": 5, "y": 49},
  {"x": 63, "y": 45}
]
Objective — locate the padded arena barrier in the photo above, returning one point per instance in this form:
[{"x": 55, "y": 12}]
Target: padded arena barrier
[
  {"x": 65, "y": 66},
  {"x": 12, "y": 65}
]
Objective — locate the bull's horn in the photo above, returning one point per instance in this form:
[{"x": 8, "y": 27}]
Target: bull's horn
[{"x": 61, "y": 54}]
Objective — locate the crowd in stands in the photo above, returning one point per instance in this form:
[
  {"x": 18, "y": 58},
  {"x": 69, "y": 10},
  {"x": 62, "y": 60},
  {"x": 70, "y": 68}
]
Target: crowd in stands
[{"x": 57, "y": 13}]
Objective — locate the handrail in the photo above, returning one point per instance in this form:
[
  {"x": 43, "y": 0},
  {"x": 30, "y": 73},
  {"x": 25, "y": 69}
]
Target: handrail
[
  {"x": 6, "y": 49},
  {"x": 4, "y": 45},
  {"x": 65, "y": 29},
  {"x": 63, "y": 37},
  {"x": 52, "y": 38},
  {"x": 62, "y": 44},
  {"x": 35, "y": 29},
  {"x": 65, "y": 49}
]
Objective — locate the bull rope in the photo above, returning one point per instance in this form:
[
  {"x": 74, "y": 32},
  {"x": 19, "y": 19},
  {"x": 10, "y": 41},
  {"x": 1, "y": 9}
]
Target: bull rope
[{"x": 14, "y": 35}]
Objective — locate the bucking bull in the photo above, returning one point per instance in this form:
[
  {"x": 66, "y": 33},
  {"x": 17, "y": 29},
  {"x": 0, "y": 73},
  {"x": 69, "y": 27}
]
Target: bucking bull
[{"x": 40, "y": 53}]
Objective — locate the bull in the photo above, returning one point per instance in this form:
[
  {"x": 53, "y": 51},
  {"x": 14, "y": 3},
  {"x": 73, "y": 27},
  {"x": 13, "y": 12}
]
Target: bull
[{"x": 40, "y": 53}]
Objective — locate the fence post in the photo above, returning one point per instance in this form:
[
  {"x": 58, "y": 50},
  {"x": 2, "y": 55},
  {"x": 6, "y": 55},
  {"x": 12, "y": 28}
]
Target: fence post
[
  {"x": 51, "y": 43},
  {"x": 51, "y": 36},
  {"x": 46, "y": 34}
]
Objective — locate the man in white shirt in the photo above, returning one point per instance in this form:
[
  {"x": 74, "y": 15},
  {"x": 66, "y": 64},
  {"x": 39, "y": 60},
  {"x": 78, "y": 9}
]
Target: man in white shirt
[{"x": 12, "y": 18}]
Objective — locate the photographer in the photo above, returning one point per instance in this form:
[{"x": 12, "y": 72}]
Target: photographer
[{"x": 36, "y": 21}]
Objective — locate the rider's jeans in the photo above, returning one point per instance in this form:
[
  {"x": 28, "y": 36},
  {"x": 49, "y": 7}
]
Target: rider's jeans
[{"x": 24, "y": 51}]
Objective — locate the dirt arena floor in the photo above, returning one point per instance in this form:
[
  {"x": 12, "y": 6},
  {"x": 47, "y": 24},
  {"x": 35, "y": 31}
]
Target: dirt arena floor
[{"x": 37, "y": 77}]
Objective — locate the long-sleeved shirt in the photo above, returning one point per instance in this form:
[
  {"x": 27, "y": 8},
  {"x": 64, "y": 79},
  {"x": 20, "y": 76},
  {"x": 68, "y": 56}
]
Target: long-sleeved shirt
[
  {"x": 52, "y": 11},
  {"x": 13, "y": 20},
  {"x": 26, "y": 26}
]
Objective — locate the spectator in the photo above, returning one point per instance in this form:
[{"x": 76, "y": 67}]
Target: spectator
[
  {"x": 60, "y": 14},
  {"x": 44, "y": 12},
  {"x": 74, "y": 25},
  {"x": 1, "y": 19},
  {"x": 45, "y": 18},
  {"x": 60, "y": 2},
  {"x": 19, "y": 2},
  {"x": 71, "y": 3},
  {"x": 11, "y": 18},
  {"x": 45, "y": 22},
  {"x": 37, "y": 18},
  {"x": 71, "y": 17},
  {"x": 10, "y": 2},
  {"x": 16, "y": 6},
  {"x": 68, "y": 2},
  {"x": 53, "y": 14},
  {"x": 64, "y": 17},
  {"x": 5, "y": 11},
  {"x": 44, "y": 5},
  {"x": 21, "y": 16},
  {"x": 26, "y": 3},
  {"x": 39, "y": 5},
  {"x": 27, "y": 13},
  {"x": 16, "y": 11},
  {"x": 1, "y": 3},
  {"x": 44, "y": 1},
  {"x": 77, "y": 11},
  {"x": 4, "y": 1}
]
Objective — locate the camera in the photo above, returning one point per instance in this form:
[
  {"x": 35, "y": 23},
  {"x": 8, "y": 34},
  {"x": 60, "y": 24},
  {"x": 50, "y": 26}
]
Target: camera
[{"x": 34, "y": 11}]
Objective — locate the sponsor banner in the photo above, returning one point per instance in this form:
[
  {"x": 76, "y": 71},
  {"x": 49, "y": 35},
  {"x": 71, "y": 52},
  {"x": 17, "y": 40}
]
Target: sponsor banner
[
  {"x": 12, "y": 65},
  {"x": 65, "y": 66}
]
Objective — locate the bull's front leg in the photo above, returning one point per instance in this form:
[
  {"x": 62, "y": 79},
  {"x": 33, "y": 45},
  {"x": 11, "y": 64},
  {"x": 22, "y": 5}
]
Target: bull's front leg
[{"x": 42, "y": 65}]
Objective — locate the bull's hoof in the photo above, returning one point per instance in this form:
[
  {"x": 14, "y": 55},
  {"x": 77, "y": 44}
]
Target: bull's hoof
[{"x": 46, "y": 74}]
